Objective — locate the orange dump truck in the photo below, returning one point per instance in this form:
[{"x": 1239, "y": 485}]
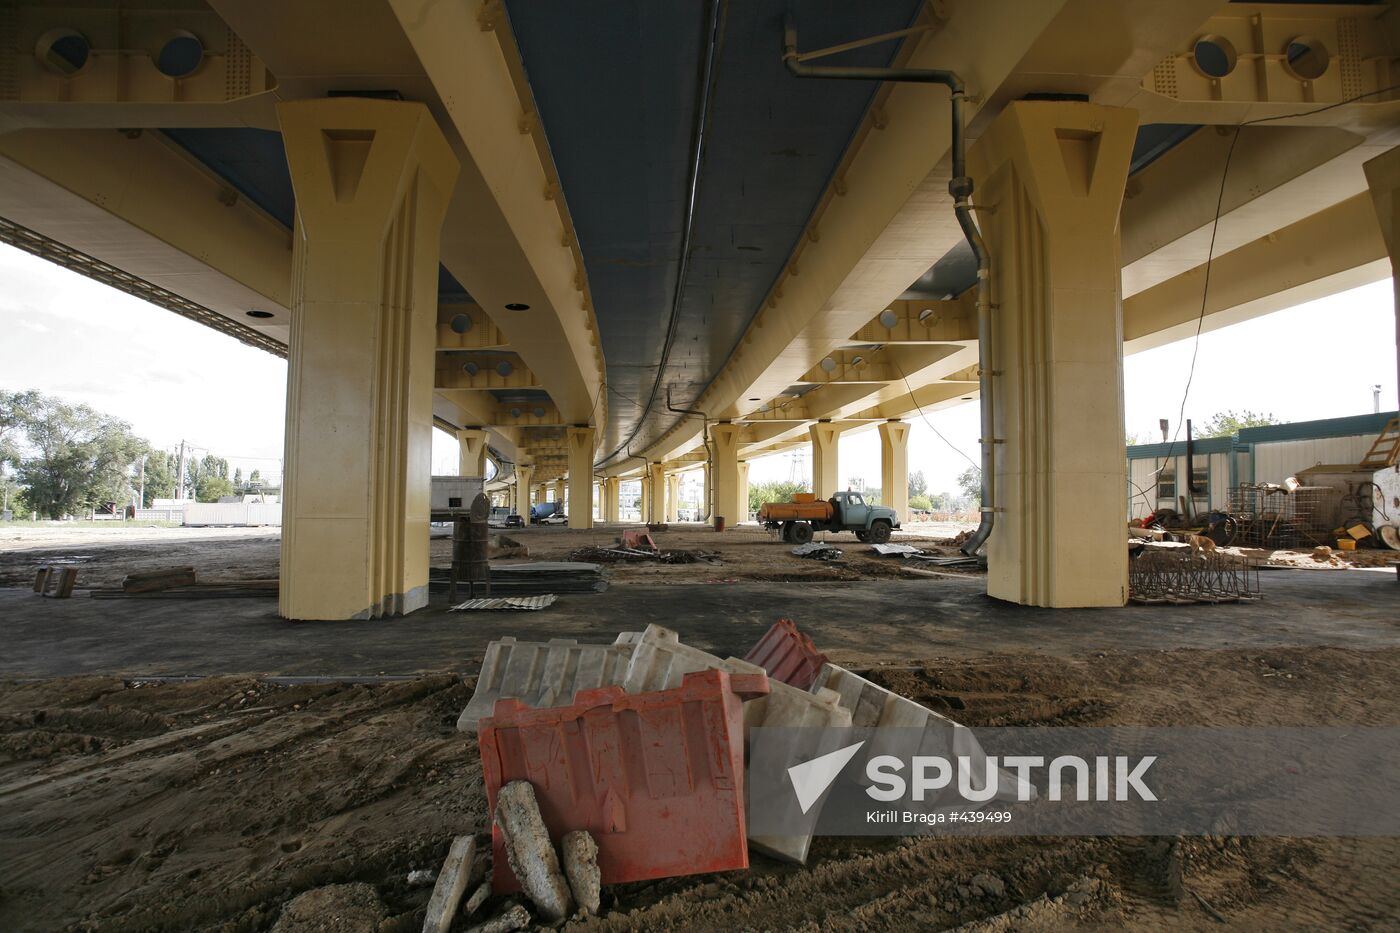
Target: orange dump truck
[{"x": 845, "y": 511}]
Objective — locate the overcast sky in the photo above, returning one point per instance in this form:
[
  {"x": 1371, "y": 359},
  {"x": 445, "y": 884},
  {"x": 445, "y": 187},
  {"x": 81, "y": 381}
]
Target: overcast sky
[{"x": 175, "y": 380}]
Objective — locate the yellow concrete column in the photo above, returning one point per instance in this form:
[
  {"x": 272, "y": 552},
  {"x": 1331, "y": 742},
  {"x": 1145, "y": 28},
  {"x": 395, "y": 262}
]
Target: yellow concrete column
[
  {"x": 372, "y": 179},
  {"x": 656, "y": 493},
  {"x": 741, "y": 506},
  {"x": 559, "y": 491},
  {"x": 825, "y": 463},
  {"x": 894, "y": 467},
  {"x": 1055, "y": 171},
  {"x": 1383, "y": 178},
  {"x": 725, "y": 439},
  {"x": 599, "y": 497},
  {"x": 580, "y": 477},
  {"x": 612, "y": 499},
  {"x": 524, "y": 489},
  {"x": 472, "y": 444},
  {"x": 673, "y": 497},
  {"x": 706, "y": 506}
]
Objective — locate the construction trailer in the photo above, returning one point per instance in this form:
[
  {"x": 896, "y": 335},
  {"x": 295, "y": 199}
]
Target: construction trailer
[{"x": 1157, "y": 473}]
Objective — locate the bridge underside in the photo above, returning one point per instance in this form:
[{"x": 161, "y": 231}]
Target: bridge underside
[{"x": 693, "y": 258}]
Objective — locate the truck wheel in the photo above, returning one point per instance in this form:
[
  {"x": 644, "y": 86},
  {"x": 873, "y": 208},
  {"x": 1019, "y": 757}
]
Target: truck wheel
[
  {"x": 879, "y": 532},
  {"x": 787, "y": 532},
  {"x": 801, "y": 533},
  {"x": 862, "y": 536}
]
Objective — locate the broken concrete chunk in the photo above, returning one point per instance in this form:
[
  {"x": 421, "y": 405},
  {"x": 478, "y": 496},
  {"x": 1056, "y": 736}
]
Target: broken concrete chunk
[
  {"x": 580, "y": 854},
  {"x": 530, "y": 852},
  {"x": 515, "y": 918},
  {"x": 451, "y": 882},
  {"x": 478, "y": 898}
]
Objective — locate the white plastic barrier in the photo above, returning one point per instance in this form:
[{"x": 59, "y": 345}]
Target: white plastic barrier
[
  {"x": 541, "y": 674},
  {"x": 873, "y": 705},
  {"x": 659, "y": 661}
]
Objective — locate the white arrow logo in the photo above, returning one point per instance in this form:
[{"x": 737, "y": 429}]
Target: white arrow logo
[{"x": 811, "y": 779}]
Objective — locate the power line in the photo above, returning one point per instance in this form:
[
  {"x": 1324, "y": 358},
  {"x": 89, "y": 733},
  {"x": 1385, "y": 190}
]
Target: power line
[{"x": 1210, "y": 257}]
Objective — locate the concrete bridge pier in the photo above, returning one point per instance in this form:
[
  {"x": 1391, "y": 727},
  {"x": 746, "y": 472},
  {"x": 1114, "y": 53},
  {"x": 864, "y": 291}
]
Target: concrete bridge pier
[{"x": 372, "y": 180}]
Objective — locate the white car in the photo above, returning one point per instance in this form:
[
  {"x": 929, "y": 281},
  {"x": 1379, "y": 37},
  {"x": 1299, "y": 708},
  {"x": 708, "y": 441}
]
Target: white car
[{"x": 555, "y": 519}]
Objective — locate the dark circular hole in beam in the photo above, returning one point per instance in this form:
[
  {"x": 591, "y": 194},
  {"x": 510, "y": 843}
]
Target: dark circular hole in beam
[
  {"x": 1306, "y": 58},
  {"x": 517, "y": 306},
  {"x": 259, "y": 313},
  {"x": 181, "y": 56},
  {"x": 1214, "y": 56},
  {"x": 63, "y": 51}
]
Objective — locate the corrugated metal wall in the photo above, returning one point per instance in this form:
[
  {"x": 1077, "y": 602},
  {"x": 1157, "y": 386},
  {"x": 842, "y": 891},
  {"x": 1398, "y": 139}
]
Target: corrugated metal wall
[
  {"x": 1275, "y": 461},
  {"x": 1143, "y": 474}
]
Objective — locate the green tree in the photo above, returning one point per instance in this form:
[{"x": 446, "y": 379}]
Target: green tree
[
  {"x": 161, "y": 468},
  {"x": 1226, "y": 423},
  {"x": 211, "y": 480},
  {"x": 15, "y": 410},
  {"x": 970, "y": 482},
  {"x": 238, "y": 484},
  {"x": 255, "y": 478},
  {"x": 80, "y": 458},
  {"x": 760, "y": 493},
  {"x": 921, "y": 502},
  {"x": 918, "y": 486}
]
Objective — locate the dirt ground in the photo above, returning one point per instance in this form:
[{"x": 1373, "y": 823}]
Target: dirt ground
[
  {"x": 211, "y": 804},
  {"x": 105, "y": 554}
]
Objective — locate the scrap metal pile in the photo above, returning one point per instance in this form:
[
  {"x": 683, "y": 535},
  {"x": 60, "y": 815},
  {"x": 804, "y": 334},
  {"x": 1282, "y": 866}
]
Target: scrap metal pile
[{"x": 609, "y": 763}]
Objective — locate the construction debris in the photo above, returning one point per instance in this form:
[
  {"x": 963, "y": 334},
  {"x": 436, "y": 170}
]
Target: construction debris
[
  {"x": 522, "y": 837},
  {"x": 613, "y": 554},
  {"x": 580, "y": 856},
  {"x": 154, "y": 580},
  {"x": 55, "y": 582},
  {"x": 909, "y": 552},
  {"x": 529, "y": 695},
  {"x": 501, "y": 546},
  {"x": 224, "y": 589},
  {"x": 479, "y": 896},
  {"x": 506, "y": 602},
  {"x": 636, "y": 539},
  {"x": 515, "y": 917},
  {"x": 452, "y": 881},
  {"x": 533, "y": 579},
  {"x": 818, "y": 550}
]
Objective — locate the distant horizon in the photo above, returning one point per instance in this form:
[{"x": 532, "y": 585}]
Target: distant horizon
[{"x": 172, "y": 378}]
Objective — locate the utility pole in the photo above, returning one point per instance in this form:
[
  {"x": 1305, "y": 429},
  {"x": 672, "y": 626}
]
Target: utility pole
[
  {"x": 180, "y": 483},
  {"x": 141, "y": 502},
  {"x": 1376, "y": 399}
]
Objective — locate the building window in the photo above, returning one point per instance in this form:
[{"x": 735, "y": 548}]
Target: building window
[
  {"x": 1166, "y": 484},
  {"x": 1200, "y": 482}
]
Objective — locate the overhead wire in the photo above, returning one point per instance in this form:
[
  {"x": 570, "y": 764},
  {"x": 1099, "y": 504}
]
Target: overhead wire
[{"x": 1210, "y": 258}]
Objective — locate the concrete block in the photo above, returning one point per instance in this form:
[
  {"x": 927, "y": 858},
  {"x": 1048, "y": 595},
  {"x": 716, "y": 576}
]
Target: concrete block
[
  {"x": 451, "y": 882},
  {"x": 530, "y": 852},
  {"x": 873, "y": 705},
  {"x": 479, "y": 896},
  {"x": 659, "y": 662},
  {"x": 580, "y": 856},
  {"x": 516, "y": 917},
  {"x": 812, "y": 718},
  {"x": 542, "y": 674}
]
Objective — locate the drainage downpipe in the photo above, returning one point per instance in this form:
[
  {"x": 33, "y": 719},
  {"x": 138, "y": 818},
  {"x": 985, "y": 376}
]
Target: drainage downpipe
[
  {"x": 960, "y": 188},
  {"x": 709, "y": 452}
]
